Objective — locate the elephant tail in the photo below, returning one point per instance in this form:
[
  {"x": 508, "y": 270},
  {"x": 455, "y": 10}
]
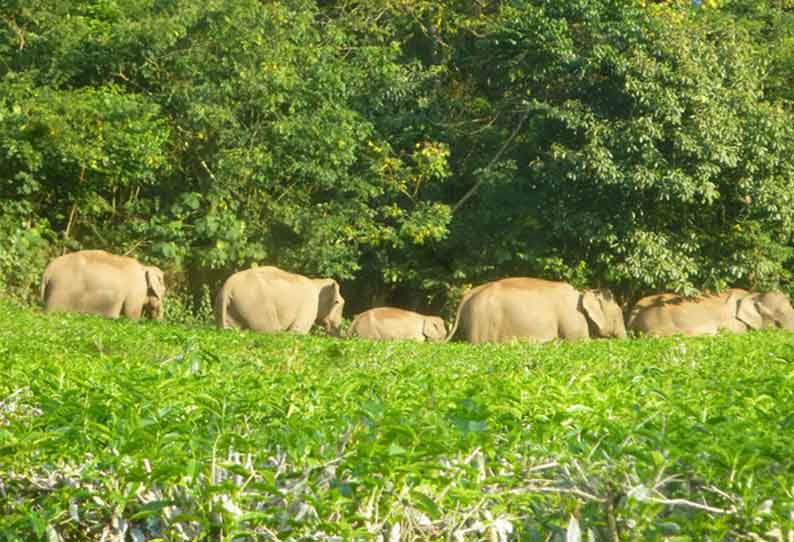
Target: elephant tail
[
  {"x": 45, "y": 282},
  {"x": 221, "y": 307},
  {"x": 463, "y": 302}
]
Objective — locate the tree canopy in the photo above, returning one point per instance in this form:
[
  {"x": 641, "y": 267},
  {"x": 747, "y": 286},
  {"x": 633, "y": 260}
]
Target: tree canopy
[{"x": 407, "y": 148}]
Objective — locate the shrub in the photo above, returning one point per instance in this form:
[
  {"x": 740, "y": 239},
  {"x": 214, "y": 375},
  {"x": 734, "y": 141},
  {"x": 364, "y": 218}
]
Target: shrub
[{"x": 24, "y": 251}]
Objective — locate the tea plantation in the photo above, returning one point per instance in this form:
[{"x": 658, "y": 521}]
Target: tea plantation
[{"x": 117, "y": 430}]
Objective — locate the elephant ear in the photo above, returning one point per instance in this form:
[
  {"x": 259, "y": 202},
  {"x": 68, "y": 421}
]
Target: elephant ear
[
  {"x": 155, "y": 281},
  {"x": 433, "y": 328},
  {"x": 747, "y": 312},
  {"x": 329, "y": 293},
  {"x": 441, "y": 327},
  {"x": 591, "y": 305}
]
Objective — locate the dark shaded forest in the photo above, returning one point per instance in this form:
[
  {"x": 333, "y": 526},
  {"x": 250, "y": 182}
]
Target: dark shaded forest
[{"x": 409, "y": 149}]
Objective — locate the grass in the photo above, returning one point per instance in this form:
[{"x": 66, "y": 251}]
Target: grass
[{"x": 150, "y": 431}]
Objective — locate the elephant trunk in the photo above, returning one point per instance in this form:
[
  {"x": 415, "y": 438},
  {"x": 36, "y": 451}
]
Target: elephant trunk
[
  {"x": 159, "y": 313},
  {"x": 154, "y": 308},
  {"x": 332, "y": 328}
]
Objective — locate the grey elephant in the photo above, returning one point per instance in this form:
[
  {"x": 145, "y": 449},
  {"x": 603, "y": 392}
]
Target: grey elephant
[
  {"x": 394, "y": 323},
  {"x": 95, "y": 281},
  {"x": 538, "y": 310},
  {"x": 270, "y": 299},
  {"x": 733, "y": 310}
]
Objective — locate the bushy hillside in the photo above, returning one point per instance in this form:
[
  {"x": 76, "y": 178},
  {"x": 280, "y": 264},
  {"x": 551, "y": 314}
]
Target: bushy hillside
[{"x": 165, "y": 432}]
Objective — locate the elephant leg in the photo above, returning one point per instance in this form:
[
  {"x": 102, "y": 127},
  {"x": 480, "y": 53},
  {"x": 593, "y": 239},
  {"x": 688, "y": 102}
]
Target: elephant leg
[
  {"x": 67, "y": 300},
  {"x": 573, "y": 328},
  {"x": 478, "y": 331},
  {"x": 101, "y": 302},
  {"x": 131, "y": 310},
  {"x": 304, "y": 319},
  {"x": 55, "y": 302},
  {"x": 300, "y": 327},
  {"x": 265, "y": 319},
  {"x": 735, "y": 326},
  {"x": 233, "y": 319},
  {"x": 531, "y": 322},
  {"x": 302, "y": 324},
  {"x": 113, "y": 310},
  {"x": 575, "y": 334}
]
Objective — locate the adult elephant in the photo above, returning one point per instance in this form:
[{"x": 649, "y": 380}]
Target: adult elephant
[
  {"x": 393, "y": 323},
  {"x": 270, "y": 299},
  {"x": 734, "y": 310},
  {"x": 536, "y": 309},
  {"x": 95, "y": 281}
]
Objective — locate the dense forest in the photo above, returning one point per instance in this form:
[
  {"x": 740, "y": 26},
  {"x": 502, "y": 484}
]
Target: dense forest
[{"x": 407, "y": 148}]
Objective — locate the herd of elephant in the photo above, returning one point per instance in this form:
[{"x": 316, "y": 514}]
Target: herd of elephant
[{"x": 269, "y": 299}]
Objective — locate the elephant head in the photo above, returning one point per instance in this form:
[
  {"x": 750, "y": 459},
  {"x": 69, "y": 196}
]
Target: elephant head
[
  {"x": 763, "y": 310},
  {"x": 603, "y": 313},
  {"x": 433, "y": 328},
  {"x": 155, "y": 292},
  {"x": 329, "y": 308}
]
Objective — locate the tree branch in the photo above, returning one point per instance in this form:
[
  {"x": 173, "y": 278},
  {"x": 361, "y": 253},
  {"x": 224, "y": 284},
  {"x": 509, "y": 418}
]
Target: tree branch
[
  {"x": 691, "y": 504},
  {"x": 493, "y": 161},
  {"x": 72, "y": 213}
]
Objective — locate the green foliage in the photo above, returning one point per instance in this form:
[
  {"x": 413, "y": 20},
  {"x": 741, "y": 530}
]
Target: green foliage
[
  {"x": 408, "y": 148},
  {"x": 80, "y": 159},
  {"x": 23, "y": 252},
  {"x": 179, "y": 433},
  {"x": 770, "y": 24},
  {"x": 647, "y": 151},
  {"x": 183, "y": 307}
]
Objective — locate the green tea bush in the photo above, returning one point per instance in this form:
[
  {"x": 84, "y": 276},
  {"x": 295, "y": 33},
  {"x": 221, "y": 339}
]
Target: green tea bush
[{"x": 155, "y": 431}]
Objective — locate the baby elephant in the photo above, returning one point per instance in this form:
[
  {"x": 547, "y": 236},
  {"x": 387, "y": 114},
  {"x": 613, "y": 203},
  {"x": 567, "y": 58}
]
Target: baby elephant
[{"x": 393, "y": 323}]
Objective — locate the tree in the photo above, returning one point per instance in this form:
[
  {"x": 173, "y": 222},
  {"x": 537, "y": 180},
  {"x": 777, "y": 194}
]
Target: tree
[
  {"x": 770, "y": 26},
  {"x": 648, "y": 160},
  {"x": 248, "y": 131},
  {"x": 407, "y": 148}
]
